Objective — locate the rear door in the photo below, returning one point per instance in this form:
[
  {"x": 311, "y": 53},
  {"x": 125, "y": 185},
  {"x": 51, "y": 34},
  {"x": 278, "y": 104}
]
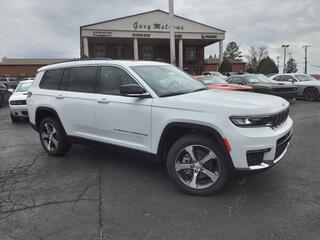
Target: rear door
[
  {"x": 76, "y": 99},
  {"x": 122, "y": 120}
]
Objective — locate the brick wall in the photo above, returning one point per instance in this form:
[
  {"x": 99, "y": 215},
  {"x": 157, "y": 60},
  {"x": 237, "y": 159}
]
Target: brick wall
[
  {"x": 236, "y": 67},
  {"x": 15, "y": 71}
]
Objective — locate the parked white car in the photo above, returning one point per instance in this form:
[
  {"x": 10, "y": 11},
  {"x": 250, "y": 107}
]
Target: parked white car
[
  {"x": 308, "y": 86},
  {"x": 201, "y": 134},
  {"x": 17, "y": 101}
]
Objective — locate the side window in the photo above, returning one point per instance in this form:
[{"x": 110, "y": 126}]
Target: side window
[
  {"x": 81, "y": 79},
  {"x": 237, "y": 80},
  {"x": 51, "y": 79},
  {"x": 277, "y": 78},
  {"x": 112, "y": 78},
  {"x": 286, "y": 78}
]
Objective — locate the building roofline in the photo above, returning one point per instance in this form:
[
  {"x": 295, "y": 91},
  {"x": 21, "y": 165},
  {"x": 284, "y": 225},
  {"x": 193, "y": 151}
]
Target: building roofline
[{"x": 142, "y": 13}]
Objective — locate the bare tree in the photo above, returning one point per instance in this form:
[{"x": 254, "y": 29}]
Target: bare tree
[{"x": 255, "y": 56}]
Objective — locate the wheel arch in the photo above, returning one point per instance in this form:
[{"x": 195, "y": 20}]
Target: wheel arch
[
  {"x": 43, "y": 112},
  {"x": 175, "y": 130}
]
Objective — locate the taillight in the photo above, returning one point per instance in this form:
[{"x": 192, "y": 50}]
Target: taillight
[{"x": 29, "y": 94}]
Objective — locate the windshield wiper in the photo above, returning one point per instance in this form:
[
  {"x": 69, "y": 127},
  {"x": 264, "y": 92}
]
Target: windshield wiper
[{"x": 173, "y": 94}]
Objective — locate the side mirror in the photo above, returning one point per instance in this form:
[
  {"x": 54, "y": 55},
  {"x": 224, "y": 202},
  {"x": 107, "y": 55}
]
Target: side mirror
[
  {"x": 11, "y": 90},
  {"x": 133, "y": 90},
  {"x": 243, "y": 83},
  {"x": 292, "y": 80}
]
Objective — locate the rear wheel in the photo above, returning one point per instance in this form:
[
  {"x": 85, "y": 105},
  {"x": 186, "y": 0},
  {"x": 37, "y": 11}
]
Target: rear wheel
[
  {"x": 53, "y": 137},
  {"x": 311, "y": 94},
  {"x": 197, "y": 165}
]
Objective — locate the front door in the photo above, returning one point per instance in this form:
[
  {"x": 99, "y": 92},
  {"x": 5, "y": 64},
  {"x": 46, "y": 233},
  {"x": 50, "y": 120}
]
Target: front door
[
  {"x": 122, "y": 120},
  {"x": 99, "y": 51}
]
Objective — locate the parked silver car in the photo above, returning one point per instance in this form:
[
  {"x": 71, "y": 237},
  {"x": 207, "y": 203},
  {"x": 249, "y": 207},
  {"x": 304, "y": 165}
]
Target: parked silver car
[{"x": 308, "y": 86}]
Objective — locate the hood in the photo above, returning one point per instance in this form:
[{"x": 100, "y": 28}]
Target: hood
[
  {"x": 229, "y": 86},
  {"x": 18, "y": 96},
  {"x": 271, "y": 85},
  {"x": 221, "y": 101},
  {"x": 309, "y": 83}
]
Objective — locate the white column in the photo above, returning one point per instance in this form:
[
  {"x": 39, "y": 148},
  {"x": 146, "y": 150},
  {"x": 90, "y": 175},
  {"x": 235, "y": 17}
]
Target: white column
[
  {"x": 181, "y": 54},
  {"x": 220, "y": 51},
  {"x": 85, "y": 47},
  {"x": 135, "y": 49},
  {"x": 172, "y": 36}
]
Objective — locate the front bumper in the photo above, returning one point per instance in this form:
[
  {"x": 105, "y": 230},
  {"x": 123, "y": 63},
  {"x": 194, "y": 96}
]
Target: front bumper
[
  {"x": 19, "y": 110},
  {"x": 271, "y": 144},
  {"x": 281, "y": 150}
]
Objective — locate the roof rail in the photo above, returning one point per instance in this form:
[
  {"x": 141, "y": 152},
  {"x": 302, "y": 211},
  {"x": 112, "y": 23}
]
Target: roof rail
[{"x": 85, "y": 59}]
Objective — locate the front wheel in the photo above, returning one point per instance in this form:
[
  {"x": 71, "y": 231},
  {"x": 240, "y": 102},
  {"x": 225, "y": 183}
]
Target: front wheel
[
  {"x": 197, "y": 165},
  {"x": 53, "y": 137}
]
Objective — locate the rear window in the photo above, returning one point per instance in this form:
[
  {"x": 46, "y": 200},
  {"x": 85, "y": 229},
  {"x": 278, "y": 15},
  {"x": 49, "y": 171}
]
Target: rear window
[
  {"x": 81, "y": 79},
  {"x": 51, "y": 79}
]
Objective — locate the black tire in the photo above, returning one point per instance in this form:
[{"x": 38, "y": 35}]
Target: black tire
[
  {"x": 14, "y": 119},
  {"x": 196, "y": 141},
  {"x": 61, "y": 145},
  {"x": 311, "y": 94},
  {"x": 2, "y": 101}
]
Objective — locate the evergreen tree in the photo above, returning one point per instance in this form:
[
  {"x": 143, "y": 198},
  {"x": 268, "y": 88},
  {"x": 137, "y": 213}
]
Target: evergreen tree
[
  {"x": 291, "y": 66},
  {"x": 267, "y": 65},
  {"x": 232, "y": 52},
  {"x": 225, "y": 66}
]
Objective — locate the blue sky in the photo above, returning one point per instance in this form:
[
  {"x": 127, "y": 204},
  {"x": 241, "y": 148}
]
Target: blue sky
[{"x": 50, "y": 28}]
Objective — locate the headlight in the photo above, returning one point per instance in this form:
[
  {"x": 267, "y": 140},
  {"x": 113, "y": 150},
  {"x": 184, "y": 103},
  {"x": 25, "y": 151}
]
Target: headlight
[{"x": 252, "y": 121}]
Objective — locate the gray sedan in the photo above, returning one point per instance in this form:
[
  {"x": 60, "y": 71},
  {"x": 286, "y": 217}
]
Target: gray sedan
[{"x": 308, "y": 87}]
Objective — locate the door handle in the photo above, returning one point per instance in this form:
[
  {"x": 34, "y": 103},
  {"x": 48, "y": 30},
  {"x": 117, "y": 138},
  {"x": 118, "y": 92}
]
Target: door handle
[
  {"x": 60, "y": 96},
  {"x": 103, "y": 100}
]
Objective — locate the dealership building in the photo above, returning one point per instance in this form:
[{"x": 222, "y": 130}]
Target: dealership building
[{"x": 145, "y": 36}]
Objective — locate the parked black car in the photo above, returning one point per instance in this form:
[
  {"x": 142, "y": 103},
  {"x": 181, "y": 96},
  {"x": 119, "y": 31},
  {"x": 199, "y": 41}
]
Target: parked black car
[
  {"x": 4, "y": 94},
  {"x": 10, "y": 82},
  {"x": 262, "y": 84}
]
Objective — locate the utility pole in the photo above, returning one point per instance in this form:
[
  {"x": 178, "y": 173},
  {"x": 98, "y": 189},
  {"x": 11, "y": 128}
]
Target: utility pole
[
  {"x": 305, "y": 58},
  {"x": 278, "y": 62},
  {"x": 172, "y": 37},
  {"x": 284, "y": 46}
]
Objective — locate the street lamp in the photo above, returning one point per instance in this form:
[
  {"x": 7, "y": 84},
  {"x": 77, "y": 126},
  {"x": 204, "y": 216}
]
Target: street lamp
[{"x": 284, "y": 57}]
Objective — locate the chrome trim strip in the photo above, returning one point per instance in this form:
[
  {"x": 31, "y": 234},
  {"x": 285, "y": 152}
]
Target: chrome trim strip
[{"x": 267, "y": 163}]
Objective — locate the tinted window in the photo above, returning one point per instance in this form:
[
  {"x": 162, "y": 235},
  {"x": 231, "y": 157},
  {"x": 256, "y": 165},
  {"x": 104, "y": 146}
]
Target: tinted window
[
  {"x": 81, "y": 79},
  {"x": 285, "y": 78},
  {"x": 236, "y": 80},
  {"x": 277, "y": 78},
  {"x": 112, "y": 78},
  {"x": 51, "y": 79}
]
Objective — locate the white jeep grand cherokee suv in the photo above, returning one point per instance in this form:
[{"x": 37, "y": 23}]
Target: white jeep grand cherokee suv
[{"x": 153, "y": 107}]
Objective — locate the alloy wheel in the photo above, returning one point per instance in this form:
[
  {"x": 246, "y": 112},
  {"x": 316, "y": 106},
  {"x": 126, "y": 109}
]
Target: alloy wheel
[
  {"x": 49, "y": 137},
  {"x": 197, "y": 166}
]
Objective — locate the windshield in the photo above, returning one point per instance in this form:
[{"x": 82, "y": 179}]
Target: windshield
[
  {"x": 257, "y": 79},
  {"x": 166, "y": 80},
  {"x": 302, "y": 77},
  {"x": 211, "y": 80},
  {"x": 23, "y": 86}
]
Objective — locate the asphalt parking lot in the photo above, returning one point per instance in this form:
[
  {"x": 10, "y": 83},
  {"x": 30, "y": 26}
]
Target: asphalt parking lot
[{"x": 95, "y": 193}]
